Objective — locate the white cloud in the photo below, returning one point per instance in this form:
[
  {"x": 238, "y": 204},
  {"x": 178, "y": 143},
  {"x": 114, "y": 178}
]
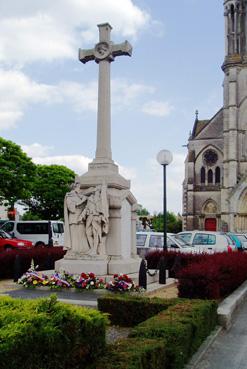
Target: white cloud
[
  {"x": 146, "y": 184},
  {"x": 157, "y": 108},
  {"x": 36, "y": 150},
  {"x": 18, "y": 92},
  {"x": 48, "y": 30},
  {"x": 78, "y": 163}
]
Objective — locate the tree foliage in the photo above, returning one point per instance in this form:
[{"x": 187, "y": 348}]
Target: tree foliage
[
  {"x": 49, "y": 188},
  {"x": 174, "y": 223},
  {"x": 142, "y": 211},
  {"x": 16, "y": 173}
]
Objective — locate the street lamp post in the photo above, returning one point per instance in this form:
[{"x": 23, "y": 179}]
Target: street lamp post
[{"x": 164, "y": 158}]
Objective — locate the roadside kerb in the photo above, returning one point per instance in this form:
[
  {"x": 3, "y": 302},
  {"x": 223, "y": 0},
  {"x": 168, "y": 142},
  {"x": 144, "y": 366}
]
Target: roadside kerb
[
  {"x": 226, "y": 311},
  {"x": 229, "y": 305}
]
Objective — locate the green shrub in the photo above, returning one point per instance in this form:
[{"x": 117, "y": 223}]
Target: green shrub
[
  {"x": 183, "y": 328},
  {"x": 129, "y": 310},
  {"x": 45, "y": 334},
  {"x": 134, "y": 354}
]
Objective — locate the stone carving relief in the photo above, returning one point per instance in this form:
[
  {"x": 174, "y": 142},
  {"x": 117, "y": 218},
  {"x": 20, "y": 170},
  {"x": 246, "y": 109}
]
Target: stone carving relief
[
  {"x": 210, "y": 208},
  {"x": 86, "y": 218}
]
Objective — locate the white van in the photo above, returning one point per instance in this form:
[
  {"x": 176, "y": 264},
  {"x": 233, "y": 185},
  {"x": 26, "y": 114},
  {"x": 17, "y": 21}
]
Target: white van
[
  {"x": 42, "y": 232},
  {"x": 208, "y": 241}
]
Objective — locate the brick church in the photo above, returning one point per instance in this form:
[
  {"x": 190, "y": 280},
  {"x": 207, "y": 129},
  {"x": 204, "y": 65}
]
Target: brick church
[{"x": 215, "y": 184}]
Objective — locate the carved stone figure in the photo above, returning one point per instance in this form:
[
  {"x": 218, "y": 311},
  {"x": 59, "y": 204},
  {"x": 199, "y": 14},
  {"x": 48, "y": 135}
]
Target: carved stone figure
[
  {"x": 96, "y": 215},
  {"x": 74, "y": 233},
  {"x": 86, "y": 219}
]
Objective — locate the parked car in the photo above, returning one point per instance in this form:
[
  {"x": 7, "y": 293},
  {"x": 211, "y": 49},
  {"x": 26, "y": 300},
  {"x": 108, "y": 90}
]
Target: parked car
[
  {"x": 42, "y": 232},
  {"x": 2, "y": 221},
  {"x": 206, "y": 241},
  {"x": 236, "y": 241},
  {"x": 240, "y": 240},
  {"x": 9, "y": 243},
  {"x": 149, "y": 241}
]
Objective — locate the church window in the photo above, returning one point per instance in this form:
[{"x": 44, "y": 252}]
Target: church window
[
  {"x": 203, "y": 175},
  {"x": 210, "y": 157},
  {"x": 217, "y": 175},
  {"x": 210, "y": 176}
]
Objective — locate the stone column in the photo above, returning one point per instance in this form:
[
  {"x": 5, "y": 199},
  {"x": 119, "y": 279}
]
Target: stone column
[{"x": 103, "y": 150}]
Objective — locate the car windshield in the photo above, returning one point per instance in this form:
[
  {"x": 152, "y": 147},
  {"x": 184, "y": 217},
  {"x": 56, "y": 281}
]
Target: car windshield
[
  {"x": 4, "y": 234},
  {"x": 241, "y": 237},
  {"x": 181, "y": 242},
  {"x": 186, "y": 237}
]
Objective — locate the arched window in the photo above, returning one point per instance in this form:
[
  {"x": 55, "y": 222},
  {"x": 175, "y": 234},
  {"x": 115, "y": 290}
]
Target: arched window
[
  {"x": 217, "y": 175},
  {"x": 210, "y": 176},
  {"x": 203, "y": 175}
]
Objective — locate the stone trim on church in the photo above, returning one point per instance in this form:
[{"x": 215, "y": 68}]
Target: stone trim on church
[{"x": 215, "y": 184}]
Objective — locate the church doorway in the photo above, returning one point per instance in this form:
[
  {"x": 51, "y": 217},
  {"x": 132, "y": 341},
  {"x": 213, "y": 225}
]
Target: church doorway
[{"x": 210, "y": 224}]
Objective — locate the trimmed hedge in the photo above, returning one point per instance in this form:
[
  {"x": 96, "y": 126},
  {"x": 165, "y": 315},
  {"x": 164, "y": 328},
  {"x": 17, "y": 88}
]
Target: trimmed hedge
[
  {"x": 134, "y": 353},
  {"x": 171, "y": 258},
  {"x": 214, "y": 277},
  {"x": 182, "y": 327},
  {"x": 44, "y": 257},
  {"x": 131, "y": 310},
  {"x": 45, "y": 334}
]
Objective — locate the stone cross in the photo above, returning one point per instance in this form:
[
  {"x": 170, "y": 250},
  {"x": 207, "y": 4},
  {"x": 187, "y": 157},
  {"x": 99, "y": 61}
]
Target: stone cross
[{"x": 104, "y": 53}]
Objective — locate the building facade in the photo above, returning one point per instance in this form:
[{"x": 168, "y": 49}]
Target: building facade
[{"x": 215, "y": 185}]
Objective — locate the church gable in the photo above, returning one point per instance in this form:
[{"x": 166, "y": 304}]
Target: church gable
[{"x": 213, "y": 128}]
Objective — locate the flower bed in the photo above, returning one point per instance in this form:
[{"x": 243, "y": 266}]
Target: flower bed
[
  {"x": 85, "y": 281},
  {"x": 121, "y": 283}
]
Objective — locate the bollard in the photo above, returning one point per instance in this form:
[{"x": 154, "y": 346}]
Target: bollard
[
  {"x": 162, "y": 270},
  {"x": 143, "y": 275},
  {"x": 48, "y": 262},
  {"x": 17, "y": 268},
  {"x": 176, "y": 267}
]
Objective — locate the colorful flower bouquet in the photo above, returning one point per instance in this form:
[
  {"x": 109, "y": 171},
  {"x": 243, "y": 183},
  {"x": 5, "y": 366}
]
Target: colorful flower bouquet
[
  {"x": 84, "y": 281},
  {"x": 32, "y": 279},
  {"x": 121, "y": 283},
  {"x": 58, "y": 281},
  {"x": 89, "y": 281}
]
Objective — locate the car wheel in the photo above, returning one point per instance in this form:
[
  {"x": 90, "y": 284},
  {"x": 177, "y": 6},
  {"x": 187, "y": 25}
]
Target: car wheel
[
  {"x": 40, "y": 244},
  {"x": 8, "y": 248}
]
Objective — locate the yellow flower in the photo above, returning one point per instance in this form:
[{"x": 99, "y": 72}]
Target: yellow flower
[
  {"x": 45, "y": 282},
  {"x": 35, "y": 282}
]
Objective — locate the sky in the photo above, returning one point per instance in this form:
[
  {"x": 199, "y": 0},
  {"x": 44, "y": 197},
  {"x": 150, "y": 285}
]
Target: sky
[{"x": 48, "y": 99}]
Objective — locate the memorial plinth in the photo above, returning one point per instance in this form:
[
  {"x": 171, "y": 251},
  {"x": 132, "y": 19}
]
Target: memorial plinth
[{"x": 119, "y": 253}]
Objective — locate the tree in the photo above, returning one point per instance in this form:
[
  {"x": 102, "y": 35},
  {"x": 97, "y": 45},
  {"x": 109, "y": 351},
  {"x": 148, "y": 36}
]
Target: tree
[
  {"x": 174, "y": 223},
  {"x": 142, "y": 211},
  {"x": 49, "y": 188},
  {"x": 17, "y": 173}
]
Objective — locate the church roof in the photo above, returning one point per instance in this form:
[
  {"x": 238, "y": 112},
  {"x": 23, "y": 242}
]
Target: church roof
[
  {"x": 199, "y": 125},
  {"x": 210, "y": 128}
]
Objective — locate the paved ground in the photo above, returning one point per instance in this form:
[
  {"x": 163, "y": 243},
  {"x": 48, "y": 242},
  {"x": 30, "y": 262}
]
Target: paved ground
[
  {"x": 83, "y": 298},
  {"x": 68, "y": 295},
  {"x": 229, "y": 350}
]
